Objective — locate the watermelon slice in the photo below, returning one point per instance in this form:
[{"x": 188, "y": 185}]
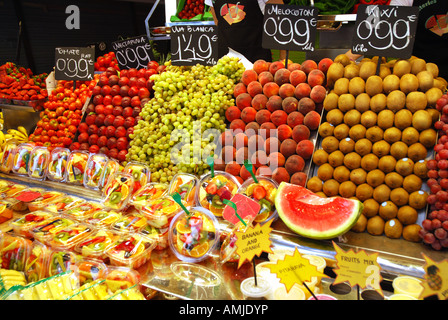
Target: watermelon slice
[{"x": 315, "y": 217}]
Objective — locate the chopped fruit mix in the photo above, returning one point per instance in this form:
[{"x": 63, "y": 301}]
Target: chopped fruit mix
[
  {"x": 160, "y": 211},
  {"x": 94, "y": 170},
  {"x": 42, "y": 202},
  {"x": 96, "y": 244},
  {"x": 117, "y": 191},
  {"x": 139, "y": 172},
  {"x": 131, "y": 250},
  {"x": 39, "y": 159},
  {"x": 83, "y": 210},
  {"x": 130, "y": 223},
  {"x": 111, "y": 168},
  {"x": 60, "y": 261},
  {"x": 147, "y": 193},
  {"x": 228, "y": 248},
  {"x": 104, "y": 218},
  {"x": 185, "y": 185},
  {"x": 213, "y": 191},
  {"x": 264, "y": 192},
  {"x": 68, "y": 237},
  {"x": 62, "y": 204},
  {"x": 58, "y": 163},
  {"x": 76, "y": 166},
  {"x": 7, "y": 158},
  {"x": 45, "y": 229},
  {"x": 22, "y": 158}
]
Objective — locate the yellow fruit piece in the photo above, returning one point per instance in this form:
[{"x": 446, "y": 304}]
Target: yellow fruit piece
[
  {"x": 262, "y": 216},
  {"x": 182, "y": 227},
  {"x": 199, "y": 250}
]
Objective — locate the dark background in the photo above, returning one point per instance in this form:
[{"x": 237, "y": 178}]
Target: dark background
[{"x": 43, "y": 27}]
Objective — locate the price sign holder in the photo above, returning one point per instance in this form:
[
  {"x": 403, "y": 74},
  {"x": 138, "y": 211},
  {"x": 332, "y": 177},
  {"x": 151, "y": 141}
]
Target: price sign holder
[
  {"x": 133, "y": 52},
  {"x": 289, "y": 27},
  {"x": 74, "y": 63},
  {"x": 194, "y": 44},
  {"x": 385, "y": 31}
]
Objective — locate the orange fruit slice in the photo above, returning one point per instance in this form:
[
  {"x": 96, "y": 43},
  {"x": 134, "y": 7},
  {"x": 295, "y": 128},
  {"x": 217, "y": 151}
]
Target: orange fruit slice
[
  {"x": 199, "y": 250},
  {"x": 262, "y": 216},
  {"x": 182, "y": 227}
]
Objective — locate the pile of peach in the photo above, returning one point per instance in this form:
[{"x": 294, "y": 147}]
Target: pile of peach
[{"x": 277, "y": 111}]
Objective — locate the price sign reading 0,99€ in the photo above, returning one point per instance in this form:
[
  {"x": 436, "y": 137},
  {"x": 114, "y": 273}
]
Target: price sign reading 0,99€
[
  {"x": 73, "y": 63},
  {"x": 387, "y": 31},
  {"x": 191, "y": 45},
  {"x": 133, "y": 53},
  {"x": 289, "y": 27}
]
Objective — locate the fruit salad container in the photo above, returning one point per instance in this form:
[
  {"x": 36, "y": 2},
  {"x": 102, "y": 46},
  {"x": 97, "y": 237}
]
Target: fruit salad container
[
  {"x": 57, "y": 165},
  {"x": 44, "y": 230},
  {"x": 5, "y": 185},
  {"x": 112, "y": 167},
  {"x": 227, "y": 251},
  {"x": 120, "y": 278},
  {"x": 194, "y": 236},
  {"x": 59, "y": 205},
  {"x": 160, "y": 211},
  {"x": 13, "y": 251},
  {"x": 82, "y": 211},
  {"x": 39, "y": 160},
  {"x": 94, "y": 170},
  {"x": 60, "y": 261},
  {"x": 129, "y": 223},
  {"x": 43, "y": 201},
  {"x": 90, "y": 269},
  {"x": 6, "y": 209},
  {"x": 103, "y": 218},
  {"x": 148, "y": 192},
  {"x": 131, "y": 250},
  {"x": 213, "y": 190},
  {"x": 22, "y": 157},
  {"x": 22, "y": 226},
  {"x": 264, "y": 193},
  {"x": 96, "y": 244},
  {"x": 67, "y": 238},
  {"x": 36, "y": 262},
  {"x": 140, "y": 172},
  {"x": 27, "y": 196},
  {"x": 117, "y": 191},
  {"x": 9, "y": 191},
  {"x": 8, "y": 155},
  {"x": 76, "y": 165},
  {"x": 160, "y": 235},
  {"x": 185, "y": 184}
]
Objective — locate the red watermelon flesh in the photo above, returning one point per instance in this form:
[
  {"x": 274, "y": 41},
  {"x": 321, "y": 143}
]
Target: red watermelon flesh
[{"x": 315, "y": 217}]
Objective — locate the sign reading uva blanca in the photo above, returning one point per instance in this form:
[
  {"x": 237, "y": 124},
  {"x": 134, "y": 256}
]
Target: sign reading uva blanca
[
  {"x": 289, "y": 27},
  {"x": 74, "y": 63},
  {"x": 387, "y": 31},
  {"x": 191, "y": 45},
  {"x": 133, "y": 52}
]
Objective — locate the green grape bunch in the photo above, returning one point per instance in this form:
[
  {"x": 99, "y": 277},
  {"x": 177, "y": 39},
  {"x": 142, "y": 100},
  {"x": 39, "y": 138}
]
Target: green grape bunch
[{"x": 180, "y": 124}]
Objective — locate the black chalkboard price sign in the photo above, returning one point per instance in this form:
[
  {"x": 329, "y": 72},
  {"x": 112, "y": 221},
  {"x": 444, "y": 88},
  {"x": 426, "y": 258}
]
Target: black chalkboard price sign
[
  {"x": 289, "y": 27},
  {"x": 191, "y": 45},
  {"x": 133, "y": 52},
  {"x": 74, "y": 63},
  {"x": 383, "y": 30}
]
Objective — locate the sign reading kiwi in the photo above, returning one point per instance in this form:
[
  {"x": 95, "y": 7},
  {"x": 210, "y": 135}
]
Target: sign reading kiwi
[
  {"x": 289, "y": 27},
  {"x": 386, "y": 31},
  {"x": 191, "y": 45}
]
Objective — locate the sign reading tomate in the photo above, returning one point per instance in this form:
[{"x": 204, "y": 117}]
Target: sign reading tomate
[
  {"x": 289, "y": 27},
  {"x": 74, "y": 63}
]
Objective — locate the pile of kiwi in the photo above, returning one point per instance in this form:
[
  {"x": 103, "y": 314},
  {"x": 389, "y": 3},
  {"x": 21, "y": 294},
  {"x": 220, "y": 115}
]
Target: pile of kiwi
[{"x": 375, "y": 137}]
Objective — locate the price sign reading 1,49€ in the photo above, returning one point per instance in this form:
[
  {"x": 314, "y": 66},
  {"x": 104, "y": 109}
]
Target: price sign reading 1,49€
[
  {"x": 387, "y": 31},
  {"x": 191, "y": 45},
  {"x": 289, "y": 27},
  {"x": 73, "y": 63}
]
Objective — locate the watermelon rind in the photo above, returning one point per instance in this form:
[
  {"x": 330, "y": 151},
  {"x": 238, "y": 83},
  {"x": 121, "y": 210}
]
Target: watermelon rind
[{"x": 281, "y": 204}]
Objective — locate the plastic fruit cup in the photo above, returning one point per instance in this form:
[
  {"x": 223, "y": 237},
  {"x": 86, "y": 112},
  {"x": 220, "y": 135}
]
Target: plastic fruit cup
[
  {"x": 7, "y": 159},
  {"x": 160, "y": 211},
  {"x": 407, "y": 285},
  {"x": 112, "y": 167},
  {"x": 258, "y": 291},
  {"x": 212, "y": 191},
  {"x": 185, "y": 184},
  {"x": 94, "y": 170},
  {"x": 21, "y": 158},
  {"x": 39, "y": 159},
  {"x": 264, "y": 193},
  {"x": 228, "y": 247},
  {"x": 322, "y": 296},
  {"x": 131, "y": 250},
  {"x": 42, "y": 202},
  {"x": 148, "y": 192},
  {"x": 23, "y": 225},
  {"x": 130, "y": 223},
  {"x": 140, "y": 172},
  {"x": 192, "y": 237},
  {"x": 96, "y": 244},
  {"x": 58, "y": 163},
  {"x": 104, "y": 218},
  {"x": 160, "y": 235},
  {"x": 76, "y": 165},
  {"x": 117, "y": 191}
]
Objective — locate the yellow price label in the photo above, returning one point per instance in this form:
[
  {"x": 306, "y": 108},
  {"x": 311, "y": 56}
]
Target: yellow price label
[
  {"x": 253, "y": 242},
  {"x": 436, "y": 279}
]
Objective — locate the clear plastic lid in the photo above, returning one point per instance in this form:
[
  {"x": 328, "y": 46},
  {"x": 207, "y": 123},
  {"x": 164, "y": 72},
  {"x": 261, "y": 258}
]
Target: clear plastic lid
[
  {"x": 104, "y": 218},
  {"x": 264, "y": 193},
  {"x": 213, "y": 190},
  {"x": 12, "y": 189},
  {"x": 23, "y": 225},
  {"x": 60, "y": 261},
  {"x": 258, "y": 289},
  {"x": 36, "y": 262},
  {"x": 26, "y": 196},
  {"x": 39, "y": 159},
  {"x": 118, "y": 191},
  {"x": 131, "y": 250},
  {"x": 160, "y": 235},
  {"x": 76, "y": 166},
  {"x": 45, "y": 230},
  {"x": 57, "y": 165},
  {"x": 140, "y": 172},
  {"x": 147, "y": 193},
  {"x": 82, "y": 211},
  {"x": 95, "y": 168},
  {"x": 97, "y": 243},
  {"x": 160, "y": 211},
  {"x": 22, "y": 158},
  {"x": 90, "y": 269},
  {"x": 185, "y": 184},
  {"x": 130, "y": 223},
  {"x": 112, "y": 167},
  {"x": 42, "y": 202},
  {"x": 67, "y": 238},
  {"x": 13, "y": 251},
  {"x": 120, "y": 278},
  {"x": 6, "y": 209},
  {"x": 194, "y": 236},
  {"x": 7, "y": 158},
  {"x": 63, "y": 203}
]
